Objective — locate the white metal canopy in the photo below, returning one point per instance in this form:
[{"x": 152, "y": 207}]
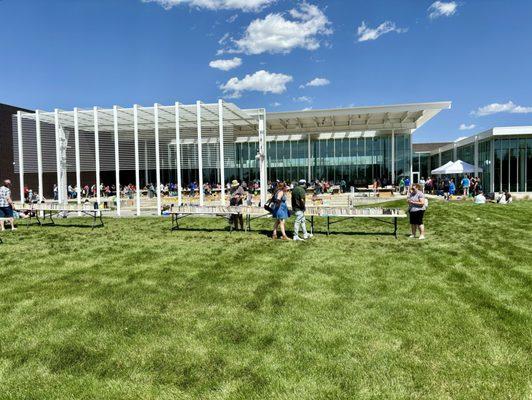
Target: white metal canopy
[
  {"x": 398, "y": 117},
  {"x": 104, "y": 137}
]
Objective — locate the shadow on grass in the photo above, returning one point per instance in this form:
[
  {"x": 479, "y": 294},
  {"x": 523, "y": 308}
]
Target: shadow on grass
[{"x": 56, "y": 225}]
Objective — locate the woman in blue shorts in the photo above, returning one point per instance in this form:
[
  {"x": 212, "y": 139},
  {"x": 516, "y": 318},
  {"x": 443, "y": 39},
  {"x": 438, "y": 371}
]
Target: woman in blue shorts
[{"x": 280, "y": 211}]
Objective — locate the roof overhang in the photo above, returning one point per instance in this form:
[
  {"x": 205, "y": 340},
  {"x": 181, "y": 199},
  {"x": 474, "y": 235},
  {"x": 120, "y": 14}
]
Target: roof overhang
[
  {"x": 166, "y": 116},
  {"x": 401, "y": 117},
  {"x": 493, "y": 132}
]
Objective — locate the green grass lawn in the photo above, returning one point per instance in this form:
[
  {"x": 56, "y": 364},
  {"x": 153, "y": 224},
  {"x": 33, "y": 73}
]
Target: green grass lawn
[{"x": 135, "y": 311}]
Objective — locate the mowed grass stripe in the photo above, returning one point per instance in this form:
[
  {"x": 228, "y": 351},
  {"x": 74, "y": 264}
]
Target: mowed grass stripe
[{"x": 134, "y": 311}]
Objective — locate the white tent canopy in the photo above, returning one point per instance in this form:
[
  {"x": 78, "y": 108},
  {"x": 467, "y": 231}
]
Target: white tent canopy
[
  {"x": 439, "y": 170},
  {"x": 457, "y": 167}
]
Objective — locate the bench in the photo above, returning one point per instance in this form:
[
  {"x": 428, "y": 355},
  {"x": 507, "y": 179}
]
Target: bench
[
  {"x": 43, "y": 211},
  {"x": 384, "y": 215}
]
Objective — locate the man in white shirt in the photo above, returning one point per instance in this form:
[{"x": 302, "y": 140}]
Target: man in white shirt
[
  {"x": 6, "y": 205},
  {"x": 480, "y": 198}
]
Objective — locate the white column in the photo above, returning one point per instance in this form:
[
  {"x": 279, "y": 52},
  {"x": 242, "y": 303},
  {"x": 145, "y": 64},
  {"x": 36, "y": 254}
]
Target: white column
[
  {"x": 157, "y": 159},
  {"x": 309, "y": 159},
  {"x": 476, "y": 156},
  {"x": 78, "y": 161},
  {"x": 39, "y": 153},
  {"x": 200, "y": 154},
  {"x": 178, "y": 154},
  {"x": 263, "y": 158},
  {"x": 439, "y": 157},
  {"x": 97, "y": 155},
  {"x": 393, "y": 156},
  {"x": 222, "y": 159},
  {"x": 58, "y": 155},
  {"x": 492, "y": 165},
  {"x": 411, "y": 160},
  {"x": 455, "y": 152},
  {"x": 117, "y": 159},
  {"x": 20, "y": 156},
  {"x": 137, "y": 172}
]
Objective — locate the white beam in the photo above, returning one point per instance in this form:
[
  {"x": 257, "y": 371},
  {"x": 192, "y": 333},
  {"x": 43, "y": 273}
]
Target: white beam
[
  {"x": 309, "y": 159},
  {"x": 57, "y": 154},
  {"x": 476, "y": 156},
  {"x": 263, "y": 169},
  {"x": 411, "y": 160},
  {"x": 178, "y": 154},
  {"x": 117, "y": 160},
  {"x": 78, "y": 161},
  {"x": 39, "y": 153},
  {"x": 492, "y": 165},
  {"x": 222, "y": 159},
  {"x": 200, "y": 154},
  {"x": 97, "y": 154},
  {"x": 157, "y": 159},
  {"x": 393, "y": 157},
  {"x": 137, "y": 172},
  {"x": 20, "y": 156}
]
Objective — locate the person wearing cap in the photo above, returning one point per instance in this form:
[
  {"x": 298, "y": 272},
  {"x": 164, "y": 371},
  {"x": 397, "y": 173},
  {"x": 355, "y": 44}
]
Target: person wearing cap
[
  {"x": 236, "y": 199},
  {"x": 298, "y": 207}
]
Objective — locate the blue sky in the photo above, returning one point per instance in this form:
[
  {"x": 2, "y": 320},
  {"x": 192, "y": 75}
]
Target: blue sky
[{"x": 476, "y": 53}]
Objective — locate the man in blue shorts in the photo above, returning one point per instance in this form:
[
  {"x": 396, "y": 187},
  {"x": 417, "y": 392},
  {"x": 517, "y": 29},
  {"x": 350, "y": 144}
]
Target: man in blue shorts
[
  {"x": 465, "y": 185},
  {"x": 6, "y": 205}
]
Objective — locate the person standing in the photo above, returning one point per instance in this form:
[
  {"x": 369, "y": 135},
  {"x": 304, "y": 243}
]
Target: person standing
[
  {"x": 416, "y": 209},
  {"x": 407, "y": 185},
  {"x": 465, "y": 185},
  {"x": 56, "y": 192},
  {"x": 236, "y": 199},
  {"x": 422, "y": 183},
  {"x": 401, "y": 186},
  {"x": 6, "y": 205},
  {"x": 299, "y": 207},
  {"x": 280, "y": 211},
  {"x": 452, "y": 187}
]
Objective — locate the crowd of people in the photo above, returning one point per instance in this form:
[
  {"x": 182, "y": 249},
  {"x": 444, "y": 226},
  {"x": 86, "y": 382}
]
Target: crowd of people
[
  {"x": 244, "y": 193},
  {"x": 446, "y": 186}
]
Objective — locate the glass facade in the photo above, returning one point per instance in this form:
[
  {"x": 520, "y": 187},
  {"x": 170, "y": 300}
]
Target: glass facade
[
  {"x": 506, "y": 162},
  {"x": 446, "y": 156},
  {"x": 466, "y": 153},
  {"x": 357, "y": 160},
  {"x": 512, "y": 164},
  {"x": 422, "y": 163}
]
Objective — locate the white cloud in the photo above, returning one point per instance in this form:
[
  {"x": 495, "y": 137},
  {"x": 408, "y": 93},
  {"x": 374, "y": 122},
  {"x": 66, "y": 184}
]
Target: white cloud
[
  {"x": 303, "y": 99},
  {"x": 496, "y": 108},
  {"x": 316, "y": 82},
  {"x": 366, "y": 33},
  {"x": 224, "y": 39},
  {"x": 279, "y": 34},
  {"x": 464, "y": 127},
  {"x": 275, "y": 104},
  {"x": 226, "y": 65},
  {"x": 307, "y": 109},
  {"x": 442, "y": 9},
  {"x": 260, "y": 81},
  {"x": 243, "y": 5},
  {"x": 232, "y": 18}
]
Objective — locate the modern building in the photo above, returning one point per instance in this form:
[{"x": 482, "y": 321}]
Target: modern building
[
  {"x": 137, "y": 145},
  {"x": 504, "y": 154},
  {"x": 6, "y": 140}
]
